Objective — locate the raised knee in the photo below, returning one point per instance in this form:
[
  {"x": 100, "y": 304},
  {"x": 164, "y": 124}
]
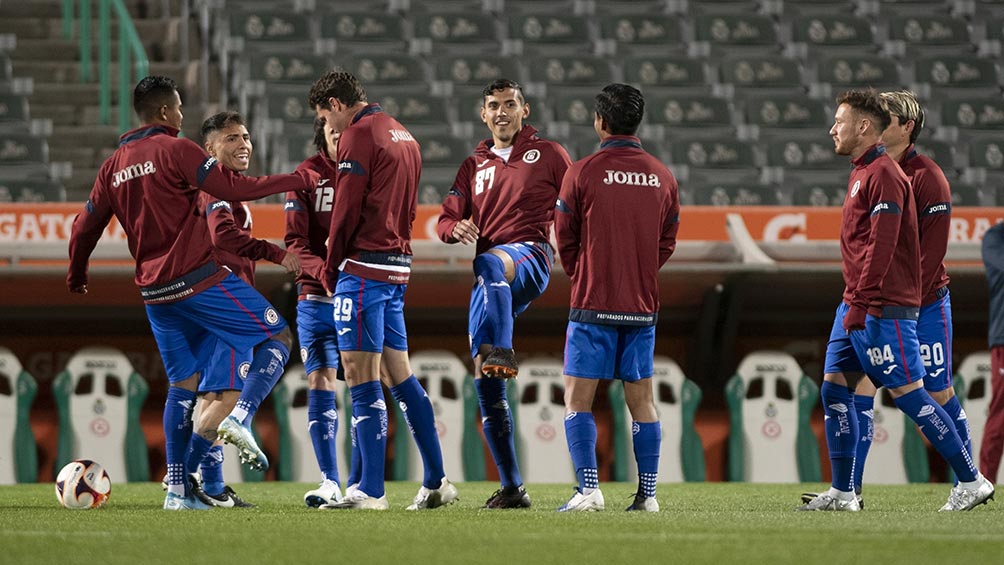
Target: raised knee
[{"x": 489, "y": 267}]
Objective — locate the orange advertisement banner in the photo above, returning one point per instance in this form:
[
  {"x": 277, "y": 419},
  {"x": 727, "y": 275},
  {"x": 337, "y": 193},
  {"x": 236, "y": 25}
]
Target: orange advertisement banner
[{"x": 24, "y": 223}]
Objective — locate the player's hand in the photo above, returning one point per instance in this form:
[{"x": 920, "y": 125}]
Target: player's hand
[
  {"x": 465, "y": 232},
  {"x": 78, "y": 289},
  {"x": 291, "y": 263},
  {"x": 854, "y": 319}
]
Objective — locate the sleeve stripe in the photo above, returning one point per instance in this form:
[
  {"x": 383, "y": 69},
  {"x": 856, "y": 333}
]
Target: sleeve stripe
[
  {"x": 886, "y": 207},
  {"x": 204, "y": 169},
  {"x": 939, "y": 208}
]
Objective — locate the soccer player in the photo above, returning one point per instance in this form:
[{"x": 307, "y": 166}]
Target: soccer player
[
  {"x": 226, "y": 139},
  {"x": 151, "y": 186},
  {"x": 617, "y": 220},
  {"x": 503, "y": 200},
  {"x": 875, "y": 327},
  {"x": 993, "y": 431},
  {"x": 933, "y": 199},
  {"x": 366, "y": 270},
  {"x": 308, "y": 216}
]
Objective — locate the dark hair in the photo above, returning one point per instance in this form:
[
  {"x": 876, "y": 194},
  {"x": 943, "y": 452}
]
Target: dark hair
[
  {"x": 502, "y": 84},
  {"x": 867, "y": 102},
  {"x": 320, "y": 142},
  {"x": 150, "y": 94},
  {"x": 621, "y": 106},
  {"x": 340, "y": 85},
  {"x": 219, "y": 121}
]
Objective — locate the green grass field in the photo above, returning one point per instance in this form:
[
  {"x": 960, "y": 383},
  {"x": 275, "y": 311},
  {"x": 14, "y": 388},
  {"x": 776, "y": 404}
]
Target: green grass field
[{"x": 720, "y": 523}]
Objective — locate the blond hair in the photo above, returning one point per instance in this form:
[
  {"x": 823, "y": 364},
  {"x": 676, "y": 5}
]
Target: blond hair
[{"x": 904, "y": 105}]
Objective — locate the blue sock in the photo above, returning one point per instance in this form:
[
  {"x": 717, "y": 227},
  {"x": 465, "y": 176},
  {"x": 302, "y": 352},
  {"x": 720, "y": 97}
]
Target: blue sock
[
  {"x": 865, "y": 407},
  {"x": 266, "y": 368},
  {"x": 177, "y": 434},
  {"x": 212, "y": 471},
  {"x": 955, "y": 412},
  {"x": 841, "y": 427},
  {"x": 356, "y": 460},
  {"x": 421, "y": 419},
  {"x": 198, "y": 447},
  {"x": 497, "y": 424},
  {"x": 370, "y": 414},
  {"x": 580, "y": 432},
  {"x": 498, "y": 300},
  {"x": 939, "y": 429},
  {"x": 322, "y": 424},
  {"x": 647, "y": 437}
]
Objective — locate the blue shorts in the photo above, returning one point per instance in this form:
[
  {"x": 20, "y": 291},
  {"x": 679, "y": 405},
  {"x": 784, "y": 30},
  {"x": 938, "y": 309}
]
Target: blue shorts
[
  {"x": 599, "y": 351},
  {"x": 227, "y": 369},
  {"x": 315, "y": 326},
  {"x": 934, "y": 332},
  {"x": 369, "y": 315},
  {"x": 886, "y": 350},
  {"x": 186, "y": 331},
  {"x": 532, "y": 273}
]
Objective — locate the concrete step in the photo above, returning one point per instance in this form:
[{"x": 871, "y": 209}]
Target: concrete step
[
  {"x": 69, "y": 71},
  {"x": 53, "y": 8},
  {"x": 67, "y": 93},
  {"x": 58, "y": 49},
  {"x": 149, "y": 30},
  {"x": 63, "y": 113},
  {"x": 83, "y": 135},
  {"x": 81, "y": 157}
]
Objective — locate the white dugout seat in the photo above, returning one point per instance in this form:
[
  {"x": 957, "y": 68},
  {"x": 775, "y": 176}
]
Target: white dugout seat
[
  {"x": 976, "y": 377},
  {"x": 681, "y": 457},
  {"x": 770, "y": 439},
  {"x": 898, "y": 454},
  {"x": 297, "y": 461},
  {"x": 540, "y": 422},
  {"x": 99, "y": 397},
  {"x": 443, "y": 376},
  {"x": 18, "y": 450}
]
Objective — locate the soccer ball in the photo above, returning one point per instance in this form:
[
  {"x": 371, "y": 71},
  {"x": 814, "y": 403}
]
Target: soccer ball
[{"x": 83, "y": 484}]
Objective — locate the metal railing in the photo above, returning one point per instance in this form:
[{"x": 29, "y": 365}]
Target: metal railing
[{"x": 130, "y": 54}]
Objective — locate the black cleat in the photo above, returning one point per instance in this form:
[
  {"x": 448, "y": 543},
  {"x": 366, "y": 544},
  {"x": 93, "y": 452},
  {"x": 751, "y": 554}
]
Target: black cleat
[
  {"x": 228, "y": 499},
  {"x": 509, "y": 497},
  {"x": 500, "y": 363}
]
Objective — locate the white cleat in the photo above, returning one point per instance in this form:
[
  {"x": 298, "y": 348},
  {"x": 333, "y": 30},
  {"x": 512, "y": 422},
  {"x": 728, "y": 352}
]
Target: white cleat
[
  {"x": 359, "y": 500},
  {"x": 232, "y": 431},
  {"x": 349, "y": 490},
  {"x": 176, "y": 502},
  {"x": 967, "y": 499},
  {"x": 434, "y": 498},
  {"x": 826, "y": 502},
  {"x": 584, "y": 502},
  {"x": 327, "y": 493},
  {"x": 644, "y": 504}
]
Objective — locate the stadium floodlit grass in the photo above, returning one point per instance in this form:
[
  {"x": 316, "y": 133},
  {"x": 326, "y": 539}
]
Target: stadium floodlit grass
[{"x": 720, "y": 523}]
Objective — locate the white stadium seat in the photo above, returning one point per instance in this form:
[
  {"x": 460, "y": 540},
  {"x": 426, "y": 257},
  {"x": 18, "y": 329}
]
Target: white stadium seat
[
  {"x": 770, "y": 440},
  {"x": 898, "y": 454},
  {"x": 18, "y": 450},
  {"x": 975, "y": 374},
  {"x": 297, "y": 461},
  {"x": 99, "y": 397},
  {"x": 540, "y": 422}
]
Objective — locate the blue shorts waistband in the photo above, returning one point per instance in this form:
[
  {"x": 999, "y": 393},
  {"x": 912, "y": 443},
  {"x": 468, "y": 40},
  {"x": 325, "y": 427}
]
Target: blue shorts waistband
[
  {"x": 941, "y": 292},
  {"x": 180, "y": 285},
  {"x": 613, "y": 318}
]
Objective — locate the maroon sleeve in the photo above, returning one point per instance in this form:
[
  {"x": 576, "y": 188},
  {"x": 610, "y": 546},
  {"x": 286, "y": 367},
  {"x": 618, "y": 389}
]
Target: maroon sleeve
[
  {"x": 204, "y": 172},
  {"x": 227, "y": 235},
  {"x": 457, "y": 204},
  {"x": 934, "y": 207},
  {"x": 887, "y": 195},
  {"x": 670, "y": 226},
  {"x": 87, "y": 229},
  {"x": 351, "y": 185},
  {"x": 567, "y": 221},
  {"x": 297, "y": 233}
]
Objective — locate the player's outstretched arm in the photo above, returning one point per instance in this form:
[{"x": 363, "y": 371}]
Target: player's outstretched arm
[
  {"x": 87, "y": 229},
  {"x": 206, "y": 173}
]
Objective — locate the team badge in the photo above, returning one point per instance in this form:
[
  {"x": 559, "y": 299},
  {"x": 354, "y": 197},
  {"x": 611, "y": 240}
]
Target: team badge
[
  {"x": 243, "y": 369},
  {"x": 855, "y": 188},
  {"x": 303, "y": 354},
  {"x": 271, "y": 317},
  {"x": 531, "y": 156}
]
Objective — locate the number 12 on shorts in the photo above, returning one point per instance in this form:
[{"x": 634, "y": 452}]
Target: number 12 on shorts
[{"x": 343, "y": 309}]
